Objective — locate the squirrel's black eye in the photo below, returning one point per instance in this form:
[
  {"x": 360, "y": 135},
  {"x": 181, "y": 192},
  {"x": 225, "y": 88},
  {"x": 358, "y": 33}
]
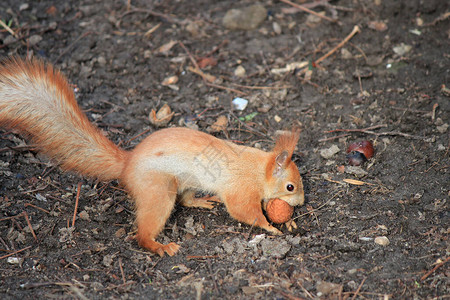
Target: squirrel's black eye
[{"x": 290, "y": 187}]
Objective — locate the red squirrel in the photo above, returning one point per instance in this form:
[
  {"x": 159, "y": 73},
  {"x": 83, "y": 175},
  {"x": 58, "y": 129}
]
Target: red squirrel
[{"x": 168, "y": 166}]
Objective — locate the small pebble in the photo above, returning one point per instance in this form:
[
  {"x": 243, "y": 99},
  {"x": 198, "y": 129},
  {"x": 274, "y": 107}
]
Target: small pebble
[
  {"x": 240, "y": 71},
  {"x": 382, "y": 240},
  {"x": 248, "y": 18},
  {"x": 101, "y": 61},
  {"x": 276, "y": 28},
  {"x": 35, "y": 39},
  {"x": 329, "y": 152},
  {"x": 24, "y": 6},
  {"x": 240, "y": 103},
  {"x": 14, "y": 260}
]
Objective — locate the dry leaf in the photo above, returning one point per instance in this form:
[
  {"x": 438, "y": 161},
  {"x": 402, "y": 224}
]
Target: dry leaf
[
  {"x": 170, "y": 80},
  {"x": 120, "y": 232},
  {"x": 289, "y": 67},
  {"x": 308, "y": 74},
  {"x": 220, "y": 124},
  {"x": 52, "y": 10},
  {"x": 162, "y": 117},
  {"x": 164, "y": 49},
  {"x": 207, "y": 77},
  {"x": 206, "y": 62},
  {"x": 151, "y": 30},
  {"x": 378, "y": 26}
]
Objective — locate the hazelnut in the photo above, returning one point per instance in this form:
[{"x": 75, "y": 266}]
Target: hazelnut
[{"x": 279, "y": 211}]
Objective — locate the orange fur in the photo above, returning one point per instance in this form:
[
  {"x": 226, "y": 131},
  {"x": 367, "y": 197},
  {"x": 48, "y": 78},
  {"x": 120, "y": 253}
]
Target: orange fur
[
  {"x": 37, "y": 100},
  {"x": 169, "y": 165}
]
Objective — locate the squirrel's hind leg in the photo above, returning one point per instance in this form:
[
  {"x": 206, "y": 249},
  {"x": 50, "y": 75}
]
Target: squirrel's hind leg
[
  {"x": 188, "y": 199},
  {"x": 154, "y": 196}
]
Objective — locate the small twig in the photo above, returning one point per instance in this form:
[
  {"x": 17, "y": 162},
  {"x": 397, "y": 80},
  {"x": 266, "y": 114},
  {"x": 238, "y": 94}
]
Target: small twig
[
  {"x": 29, "y": 225},
  {"x": 338, "y": 7},
  {"x": 416, "y": 137},
  {"x": 320, "y": 206},
  {"x": 121, "y": 270},
  {"x": 152, "y": 13},
  {"x": 358, "y": 289},
  {"x": 191, "y": 57},
  {"x": 344, "y": 41},
  {"x": 4, "y": 245},
  {"x": 76, "y": 204},
  {"x": 8, "y": 28},
  {"x": 250, "y": 229},
  {"x": 15, "y": 252},
  {"x": 151, "y": 30},
  {"x": 433, "y": 112},
  {"x": 221, "y": 87},
  {"x": 409, "y": 110},
  {"x": 207, "y": 78},
  {"x": 356, "y": 129},
  {"x": 215, "y": 49},
  {"x": 438, "y": 19},
  {"x": 138, "y": 135},
  {"x": 47, "y": 171},
  {"x": 12, "y": 217},
  {"x": 434, "y": 269},
  {"x": 262, "y": 87},
  {"x": 36, "y": 189},
  {"x": 360, "y": 83},
  {"x": 71, "y": 45},
  {"x": 310, "y": 83},
  {"x": 18, "y": 148},
  {"x": 368, "y": 131},
  {"x": 266, "y": 65},
  {"x": 334, "y": 137},
  {"x": 432, "y": 166},
  {"x": 359, "y": 50},
  {"x": 189, "y": 257},
  {"x": 33, "y": 285},
  {"x": 306, "y": 291},
  {"x": 309, "y": 11}
]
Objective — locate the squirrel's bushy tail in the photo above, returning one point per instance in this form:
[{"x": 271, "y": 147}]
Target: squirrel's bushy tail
[{"x": 36, "y": 99}]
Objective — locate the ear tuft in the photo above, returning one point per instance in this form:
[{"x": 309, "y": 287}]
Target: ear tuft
[{"x": 287, "y": 142}]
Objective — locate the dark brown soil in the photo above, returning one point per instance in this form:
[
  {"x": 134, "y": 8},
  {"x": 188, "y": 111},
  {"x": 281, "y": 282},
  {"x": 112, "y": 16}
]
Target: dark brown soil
[{"x": 118, "y": 70}]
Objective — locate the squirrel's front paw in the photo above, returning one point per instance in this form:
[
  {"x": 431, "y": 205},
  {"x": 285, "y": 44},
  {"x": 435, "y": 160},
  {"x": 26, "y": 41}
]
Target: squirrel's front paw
[
  {"x": 290, "y": 225},
  {"x": 273, "y": 230}
]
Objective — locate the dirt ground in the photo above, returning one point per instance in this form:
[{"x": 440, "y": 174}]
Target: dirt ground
[{"x": 383, "y": 234}]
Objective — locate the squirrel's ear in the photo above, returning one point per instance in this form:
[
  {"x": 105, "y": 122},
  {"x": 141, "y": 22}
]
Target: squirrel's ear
[{"x": 281, "y": 161}]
